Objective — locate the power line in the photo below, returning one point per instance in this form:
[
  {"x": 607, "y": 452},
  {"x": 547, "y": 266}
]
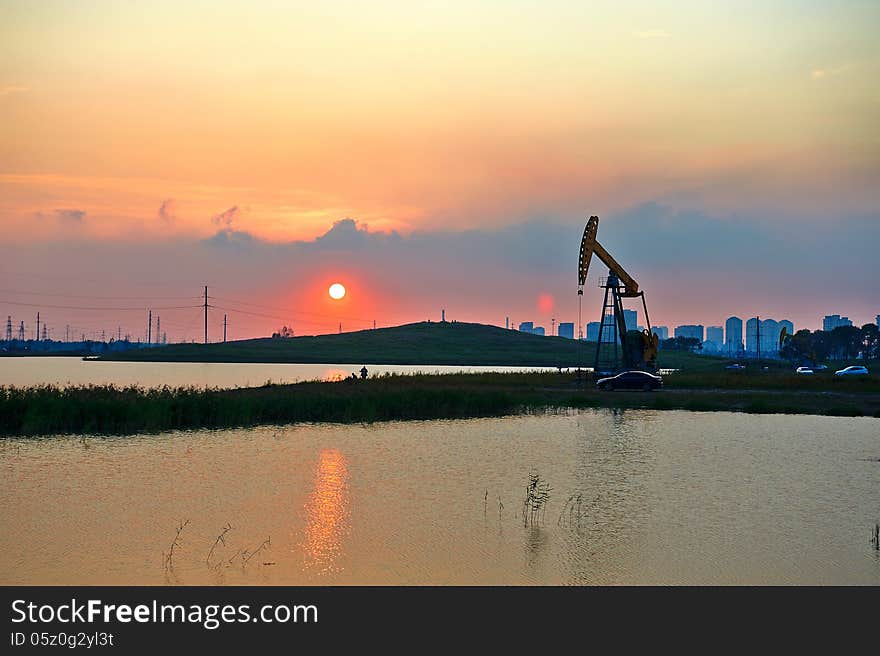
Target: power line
[
  {"x": 333, "y": 317},
  {"x": 94, "y": 297},
  {"x": 79, "y": 307}
]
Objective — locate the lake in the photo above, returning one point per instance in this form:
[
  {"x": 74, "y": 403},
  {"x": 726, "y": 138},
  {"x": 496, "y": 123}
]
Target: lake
[
  {"x": 27, "y": 371},
  {"x": 635, "y": 497}
]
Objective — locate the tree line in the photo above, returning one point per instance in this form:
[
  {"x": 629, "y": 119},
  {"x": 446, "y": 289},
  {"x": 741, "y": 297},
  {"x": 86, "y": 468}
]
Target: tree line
[{"x": 842, "y": 343}]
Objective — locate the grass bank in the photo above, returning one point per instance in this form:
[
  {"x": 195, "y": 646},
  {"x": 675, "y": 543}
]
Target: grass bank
[
  {"x": 117, "y": 411},
  {"x": 425, "y": 343}
]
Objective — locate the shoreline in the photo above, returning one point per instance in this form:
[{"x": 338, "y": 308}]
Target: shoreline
[{"x": 110, "y": 410}]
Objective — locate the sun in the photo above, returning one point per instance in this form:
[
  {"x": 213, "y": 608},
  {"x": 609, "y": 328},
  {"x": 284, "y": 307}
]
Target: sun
[{"x": 336, "y": 291}]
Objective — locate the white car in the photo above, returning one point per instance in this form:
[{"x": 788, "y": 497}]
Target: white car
[
  {"x": 855, "y": 370},
  {"x": 803, "y": 370}
]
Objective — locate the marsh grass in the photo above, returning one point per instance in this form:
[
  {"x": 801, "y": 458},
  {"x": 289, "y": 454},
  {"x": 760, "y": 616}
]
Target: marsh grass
[{"x": 111, "y": 410}]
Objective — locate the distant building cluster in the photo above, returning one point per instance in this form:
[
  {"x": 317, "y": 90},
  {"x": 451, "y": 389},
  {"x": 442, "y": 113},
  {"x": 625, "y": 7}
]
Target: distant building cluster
[
  {"x": 692, "y": 331},
  {"x": 755, "y": 337},
  {"x": 529, "y": 327},
  {"x": 832, "y": 321}
]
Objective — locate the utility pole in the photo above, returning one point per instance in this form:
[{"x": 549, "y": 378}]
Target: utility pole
[
  {"x": 37, "y": 333},
  {"x": 67, "y": 333},
  {"x": 150, "y": 328},
  {"x": 224, "y": 328},
  {"x": 552, "y": 327},
  {"x": 44, "y": 332},
  {"x": 340, "y": 327},
  {"x": 158, "y": 329},
  {"x": 9, "y": 328},
  {"x": 374, "y": 324},
  {"x": 21, "y": 331},
  {"x": 206, "y": 314}
]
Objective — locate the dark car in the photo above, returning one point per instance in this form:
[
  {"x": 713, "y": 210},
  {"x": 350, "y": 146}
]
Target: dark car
[{"x": 632, "y": 380}]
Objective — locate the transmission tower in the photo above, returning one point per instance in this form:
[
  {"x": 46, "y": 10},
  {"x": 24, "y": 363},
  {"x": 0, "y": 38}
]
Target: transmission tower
[{"x": 206, "y": 314}]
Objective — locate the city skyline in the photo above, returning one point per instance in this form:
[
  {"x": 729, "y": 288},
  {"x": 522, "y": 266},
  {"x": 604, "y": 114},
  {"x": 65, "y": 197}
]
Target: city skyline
[{"x": 726, "y": 337}]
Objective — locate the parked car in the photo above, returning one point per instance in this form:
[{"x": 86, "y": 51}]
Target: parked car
[
  {"x": 854, "y": 370},
  {"x": 735, "y": 366},
  {"x": 632, "y": 380},
  {"x": 804, "y": 370}
]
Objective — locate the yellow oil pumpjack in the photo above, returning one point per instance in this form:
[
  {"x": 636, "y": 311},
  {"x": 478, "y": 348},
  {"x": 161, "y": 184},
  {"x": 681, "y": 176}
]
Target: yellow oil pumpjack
[{"x": 638, "y": 349}]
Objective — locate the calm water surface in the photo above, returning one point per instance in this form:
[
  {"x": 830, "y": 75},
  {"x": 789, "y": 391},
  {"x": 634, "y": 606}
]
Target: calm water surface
[
  {"x": 665, "y": 497},
  {"x": 76, "y": 371}
]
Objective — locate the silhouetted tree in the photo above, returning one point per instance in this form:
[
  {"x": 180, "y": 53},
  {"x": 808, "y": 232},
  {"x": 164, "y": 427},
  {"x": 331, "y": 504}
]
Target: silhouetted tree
[
  {"x": 870, "y": 341},
  {"x": 845, "y": 342},
  {"x": 680, "y": 343}
]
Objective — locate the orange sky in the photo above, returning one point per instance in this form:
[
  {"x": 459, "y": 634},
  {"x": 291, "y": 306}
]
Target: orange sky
[{"x": 170, "y": 122}]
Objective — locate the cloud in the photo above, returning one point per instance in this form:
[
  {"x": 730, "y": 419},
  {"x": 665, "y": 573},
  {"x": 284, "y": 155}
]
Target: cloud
[
  {"x": 71, "y": 215},
  {"x": 349, "y": 234},
  {"x": 167, "y": 211},
  {"x": 229, "y": 238},
  {"x": 695, "y": 267},
  {"x": 226, "y": 218}
]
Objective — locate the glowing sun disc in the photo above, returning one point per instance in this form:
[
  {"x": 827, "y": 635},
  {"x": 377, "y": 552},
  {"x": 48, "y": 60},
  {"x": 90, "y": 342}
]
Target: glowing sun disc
[{"x": 336, "y": 291}]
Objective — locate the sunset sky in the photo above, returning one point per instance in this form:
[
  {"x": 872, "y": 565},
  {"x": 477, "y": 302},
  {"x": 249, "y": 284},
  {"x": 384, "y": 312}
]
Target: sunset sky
[{"x": 435, "y": 155}]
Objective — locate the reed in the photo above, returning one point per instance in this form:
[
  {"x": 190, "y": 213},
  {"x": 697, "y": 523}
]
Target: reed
[{"x": 111, "y": 410}]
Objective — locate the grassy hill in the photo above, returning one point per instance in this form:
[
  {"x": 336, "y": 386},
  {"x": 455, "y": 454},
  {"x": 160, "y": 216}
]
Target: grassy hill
[{"x": 444, "y": 343}]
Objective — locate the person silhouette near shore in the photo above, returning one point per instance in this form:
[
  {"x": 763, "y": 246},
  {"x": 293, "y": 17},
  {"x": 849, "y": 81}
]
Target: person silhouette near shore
[{"x": 364, "y": 373}]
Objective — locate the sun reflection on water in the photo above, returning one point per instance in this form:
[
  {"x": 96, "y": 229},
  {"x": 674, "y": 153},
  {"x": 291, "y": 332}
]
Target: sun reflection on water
[{"x": 327, "y": 514}]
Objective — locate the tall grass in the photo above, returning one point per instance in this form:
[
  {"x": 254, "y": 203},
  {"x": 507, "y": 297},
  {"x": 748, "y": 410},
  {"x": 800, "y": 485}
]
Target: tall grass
[{"x": 106, "y": 409}]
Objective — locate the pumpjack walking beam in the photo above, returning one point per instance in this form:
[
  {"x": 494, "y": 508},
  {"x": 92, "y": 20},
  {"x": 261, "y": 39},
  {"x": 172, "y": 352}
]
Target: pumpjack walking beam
[{"x": 617, "y": 278}]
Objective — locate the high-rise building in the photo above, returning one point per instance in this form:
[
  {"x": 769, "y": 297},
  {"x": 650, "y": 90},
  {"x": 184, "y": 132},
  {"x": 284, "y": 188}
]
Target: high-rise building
[
  {"x": 715, "y": 335},
  {"x": 593, "y": 331},
  {"x": 662, "y": 332},
  {"x": 631, "y": 319},
  {"x": 832, "y": 321},
  {"x": 878, "y": 320},
  {"x": 770, "y": 330},
  {"x": 526, "y": 327},
  {"x": 753, "y": 331},
  {"x": 566, "y": 329},
  {"x": 767, "y": 331},
  {"x": 538, "y": 330},
  {"x": 688, "y": 330},
  {"x": 733, "y": 329}
]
